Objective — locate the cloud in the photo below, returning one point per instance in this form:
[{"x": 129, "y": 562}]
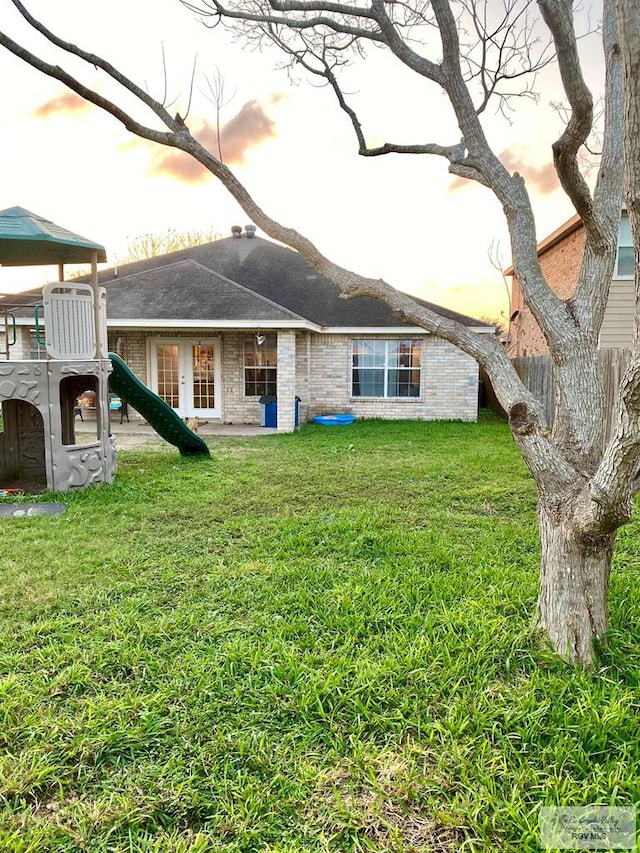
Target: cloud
[
  {"x": 249, "y": 128},
  {"x": 66, "y": 104},
  {"x": 542, "y": 179}
]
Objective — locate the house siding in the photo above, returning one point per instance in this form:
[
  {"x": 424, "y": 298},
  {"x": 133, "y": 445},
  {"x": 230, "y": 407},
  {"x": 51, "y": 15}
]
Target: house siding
[
  {"x": 617, "y": 326},
  {"x": 20, "y": 350}
]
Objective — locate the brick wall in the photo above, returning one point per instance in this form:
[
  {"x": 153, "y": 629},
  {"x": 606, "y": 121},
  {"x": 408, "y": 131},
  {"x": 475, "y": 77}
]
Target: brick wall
[
  {"x": 449, "y": 383},
  {"x": 236, "y": 408},
  {"x": 303, "y": 374},
  {"x": 560, "y": 266},
  {"x": 21, "y": 349},
  {"x": 449, "y": 388},
  {"x": 287, "y": 375},
  {"x": 131, "y": 345}
]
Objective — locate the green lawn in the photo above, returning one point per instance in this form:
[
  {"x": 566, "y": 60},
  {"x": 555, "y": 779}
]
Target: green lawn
[{"x": 315, "y": 642}]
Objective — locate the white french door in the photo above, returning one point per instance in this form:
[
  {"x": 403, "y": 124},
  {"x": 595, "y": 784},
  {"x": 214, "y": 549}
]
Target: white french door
[{"x": 186, "y": 374}]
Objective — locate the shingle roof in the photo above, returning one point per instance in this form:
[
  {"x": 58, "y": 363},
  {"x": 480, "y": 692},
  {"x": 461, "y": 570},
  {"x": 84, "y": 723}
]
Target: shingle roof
[
  {"x": 240, "y": 279},
  {"x": 267, "y": 270},
  {"x": 182, "y": 290}
]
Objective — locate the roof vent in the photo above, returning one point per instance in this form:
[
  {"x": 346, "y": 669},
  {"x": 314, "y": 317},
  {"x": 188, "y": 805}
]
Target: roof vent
[
  {"x": 236, "y": 230},
  {"x": 250, "y": 231}
]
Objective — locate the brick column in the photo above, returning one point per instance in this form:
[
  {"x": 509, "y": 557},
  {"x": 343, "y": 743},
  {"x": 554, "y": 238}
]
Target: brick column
[{"x": 286, "y": 381}]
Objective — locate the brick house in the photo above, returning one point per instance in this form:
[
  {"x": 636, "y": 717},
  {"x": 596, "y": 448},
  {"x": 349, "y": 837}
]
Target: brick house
[
  {"x": 213, "y": 328},
  {"x": 560, "y": 256}
]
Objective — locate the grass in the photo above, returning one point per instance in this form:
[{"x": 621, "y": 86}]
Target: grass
[{"x": 315, "y": 642}]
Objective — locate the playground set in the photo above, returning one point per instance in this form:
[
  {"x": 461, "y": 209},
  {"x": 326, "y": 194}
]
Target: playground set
[{"x": 39, "y": 396}]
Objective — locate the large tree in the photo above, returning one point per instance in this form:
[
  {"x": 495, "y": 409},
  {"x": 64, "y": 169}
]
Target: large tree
[{"x": 585, "y": 489}]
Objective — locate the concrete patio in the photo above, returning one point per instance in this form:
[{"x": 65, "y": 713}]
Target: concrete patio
[
  {"x": 135, "y": 433},
  {"x": 204, "y": 428}
]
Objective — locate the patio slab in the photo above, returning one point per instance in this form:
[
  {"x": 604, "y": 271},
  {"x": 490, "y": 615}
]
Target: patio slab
[{"x": 135, "y": 433}]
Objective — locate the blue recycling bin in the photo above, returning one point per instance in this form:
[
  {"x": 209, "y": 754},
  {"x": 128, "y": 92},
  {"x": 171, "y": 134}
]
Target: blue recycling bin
[
  {"x": 269, "y": 417},
  {"x": 269, "y": 411}
]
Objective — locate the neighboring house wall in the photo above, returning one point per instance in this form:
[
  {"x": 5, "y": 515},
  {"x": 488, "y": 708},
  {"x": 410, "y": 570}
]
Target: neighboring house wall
[
  {"x": 560, "y": 263},
  {"x": 617, "y": 326},
  {"x": 560, "y": 266}
]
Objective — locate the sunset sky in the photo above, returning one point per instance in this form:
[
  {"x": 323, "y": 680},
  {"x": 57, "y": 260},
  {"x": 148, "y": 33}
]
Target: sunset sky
[{"x": 403, "y": 219}]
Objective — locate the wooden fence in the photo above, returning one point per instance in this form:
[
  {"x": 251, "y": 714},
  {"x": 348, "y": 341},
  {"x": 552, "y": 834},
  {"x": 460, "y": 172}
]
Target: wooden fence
[{"x": 535, "y": 372}]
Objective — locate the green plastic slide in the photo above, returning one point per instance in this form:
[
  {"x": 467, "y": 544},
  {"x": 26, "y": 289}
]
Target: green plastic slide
[{"x": 165, "y": 421}]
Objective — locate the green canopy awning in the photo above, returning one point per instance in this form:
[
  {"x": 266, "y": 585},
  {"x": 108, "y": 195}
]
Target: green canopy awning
[{"x": 27, "y": 239}]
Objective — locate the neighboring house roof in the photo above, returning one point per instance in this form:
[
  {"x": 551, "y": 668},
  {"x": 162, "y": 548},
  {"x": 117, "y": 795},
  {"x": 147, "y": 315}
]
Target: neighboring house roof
[
  {"x": 554, "y": 238},
  {"x": 238, "y": 279}
]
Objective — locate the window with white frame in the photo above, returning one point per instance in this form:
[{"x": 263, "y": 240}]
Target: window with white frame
[
  {"x": 260, "y": 365},
  {"x": 386, "y": 368},
  {"x": 626, "y": 255}
]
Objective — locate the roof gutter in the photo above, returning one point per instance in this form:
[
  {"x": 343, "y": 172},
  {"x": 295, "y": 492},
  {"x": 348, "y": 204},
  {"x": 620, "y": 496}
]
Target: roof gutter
[{"x": 399, "y": 331}]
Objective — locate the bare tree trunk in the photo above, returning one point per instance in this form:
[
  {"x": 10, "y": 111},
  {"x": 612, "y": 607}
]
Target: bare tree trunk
[{"x": 574, "y": 581}]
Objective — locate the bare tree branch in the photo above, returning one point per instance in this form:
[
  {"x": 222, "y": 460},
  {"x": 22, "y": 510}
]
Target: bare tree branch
[
  {"x": 218, "y": 11},
  {"x": 97, "y": 61},
  {"x": 216, "y": 95},
  {"x": 597, "y": 268},
  {"x": 629, "y": 23},
  {"x": 615, "y": 483},
  {"x": 472, "y": 158},
  {"x": 93, "y": 97},
  {"x": 507, "y": 50},
  {"x": 326, "y": 62},
  {"x": 559, "y": 18},
  {"x": 550, "y": 312}
]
